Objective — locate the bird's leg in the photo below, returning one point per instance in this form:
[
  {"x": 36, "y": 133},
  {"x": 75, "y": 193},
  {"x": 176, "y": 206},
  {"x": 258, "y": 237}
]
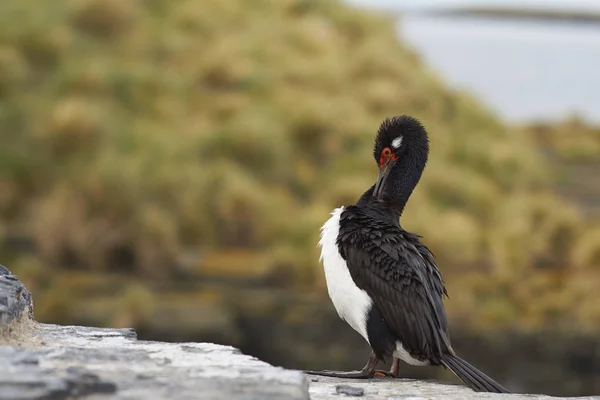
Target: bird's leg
[
  {"x": 365, "y": 373},
  {"x": 392, "y": 373},
  {"x": 394, "y": 368}
]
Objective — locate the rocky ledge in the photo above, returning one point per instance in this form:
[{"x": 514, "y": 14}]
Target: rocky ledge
[
  {"x": 41, "y": 361},
  {"x": 15, "y": 301}
]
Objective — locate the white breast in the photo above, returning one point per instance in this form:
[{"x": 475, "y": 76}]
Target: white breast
[{"x": 351, "y": 303}]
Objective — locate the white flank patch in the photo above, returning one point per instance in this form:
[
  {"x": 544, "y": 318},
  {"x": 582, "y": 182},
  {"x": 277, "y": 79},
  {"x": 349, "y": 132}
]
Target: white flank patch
[
  {"x": 351, "y": 303},
  {"x": 396, "y": 143},
  {"x": 403, "y": 355}
]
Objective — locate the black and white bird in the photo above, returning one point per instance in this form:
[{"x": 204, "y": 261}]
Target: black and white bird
[{"x": 381, "y": 279}]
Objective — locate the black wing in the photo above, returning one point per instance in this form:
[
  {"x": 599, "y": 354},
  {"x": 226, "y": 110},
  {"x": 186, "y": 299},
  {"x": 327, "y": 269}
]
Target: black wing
[{"x": 399, "y": 274}]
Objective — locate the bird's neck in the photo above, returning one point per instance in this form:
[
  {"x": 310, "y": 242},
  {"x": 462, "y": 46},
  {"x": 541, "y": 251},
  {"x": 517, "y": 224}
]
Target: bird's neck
[
  {"x": 377, "y": 208},
  {"x": 402, "y": 180}
]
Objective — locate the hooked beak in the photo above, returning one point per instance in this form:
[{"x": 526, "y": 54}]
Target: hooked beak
[{"x": 384, "y": 171}]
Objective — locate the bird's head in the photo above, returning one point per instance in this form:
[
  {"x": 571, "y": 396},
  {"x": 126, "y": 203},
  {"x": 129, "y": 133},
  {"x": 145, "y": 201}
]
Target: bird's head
[{"x": 401, "y": 143}]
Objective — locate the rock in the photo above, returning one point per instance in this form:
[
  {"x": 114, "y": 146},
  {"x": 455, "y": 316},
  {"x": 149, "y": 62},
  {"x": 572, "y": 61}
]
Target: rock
[
  {"x": 350, "y": 390},
  {"x": 64, "y": 362},
  {"x": 23, "y": 378},
  {"x": 76, "y": 361},
  {"x": 15, "y": 301},
  {"x": 325, "y": 388}
]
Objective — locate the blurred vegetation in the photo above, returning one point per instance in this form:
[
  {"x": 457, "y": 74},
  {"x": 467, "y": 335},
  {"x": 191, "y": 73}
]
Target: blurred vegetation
[
  {"x": 164, "y": 139},
  {"x": 572, "y": 141}
]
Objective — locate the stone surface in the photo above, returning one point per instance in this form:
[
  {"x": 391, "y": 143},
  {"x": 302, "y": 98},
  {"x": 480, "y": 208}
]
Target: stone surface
[
  {"x": 63, "y": 362},
  {"x": 15, "y": 300},
  {"x": 350, "y": 390},
  {"x": 324, "y": 388}
]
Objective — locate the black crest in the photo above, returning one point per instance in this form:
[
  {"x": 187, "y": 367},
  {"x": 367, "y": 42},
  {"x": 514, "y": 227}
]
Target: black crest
[{"x": 411, "y": 131}]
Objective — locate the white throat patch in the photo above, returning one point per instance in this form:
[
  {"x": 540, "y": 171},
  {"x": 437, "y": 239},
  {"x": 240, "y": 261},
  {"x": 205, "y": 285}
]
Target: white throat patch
[{"x": 397, "y": 142}]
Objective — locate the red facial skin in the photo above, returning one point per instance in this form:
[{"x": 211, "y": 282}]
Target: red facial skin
[{"x": 385, "y": 154}]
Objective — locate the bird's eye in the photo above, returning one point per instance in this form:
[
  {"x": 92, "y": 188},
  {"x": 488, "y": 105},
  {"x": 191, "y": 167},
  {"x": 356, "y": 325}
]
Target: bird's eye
[{"x": 386, "y": 152}]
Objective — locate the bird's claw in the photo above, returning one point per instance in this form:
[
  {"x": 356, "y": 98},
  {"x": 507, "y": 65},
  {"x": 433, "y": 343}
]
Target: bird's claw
[{"x": 379, "y": 373}]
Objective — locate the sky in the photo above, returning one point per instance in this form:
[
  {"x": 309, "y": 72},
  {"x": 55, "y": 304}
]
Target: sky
[{"x": 593, "y": 5}]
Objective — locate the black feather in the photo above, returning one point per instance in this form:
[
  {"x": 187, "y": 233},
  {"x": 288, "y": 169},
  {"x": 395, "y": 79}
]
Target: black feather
[
  {"x": 471, "y": 376},
  {"x": 405, "y": 288}
]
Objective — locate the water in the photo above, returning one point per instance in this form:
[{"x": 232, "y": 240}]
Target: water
[
  {"x": 407, "y": 5},
  {"x": 523, "y": 70}
]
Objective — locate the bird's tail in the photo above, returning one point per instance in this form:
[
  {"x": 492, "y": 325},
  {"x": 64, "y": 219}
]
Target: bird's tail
[{"x": 471, "y": 376}]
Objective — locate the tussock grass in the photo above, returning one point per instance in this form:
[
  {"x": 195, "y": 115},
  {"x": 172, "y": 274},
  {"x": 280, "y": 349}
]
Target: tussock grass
[{"x": 134, "y": 132}]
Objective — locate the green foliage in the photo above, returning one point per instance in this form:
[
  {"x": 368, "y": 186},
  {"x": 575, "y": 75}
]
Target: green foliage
[{"x": 137, "y": 131}]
